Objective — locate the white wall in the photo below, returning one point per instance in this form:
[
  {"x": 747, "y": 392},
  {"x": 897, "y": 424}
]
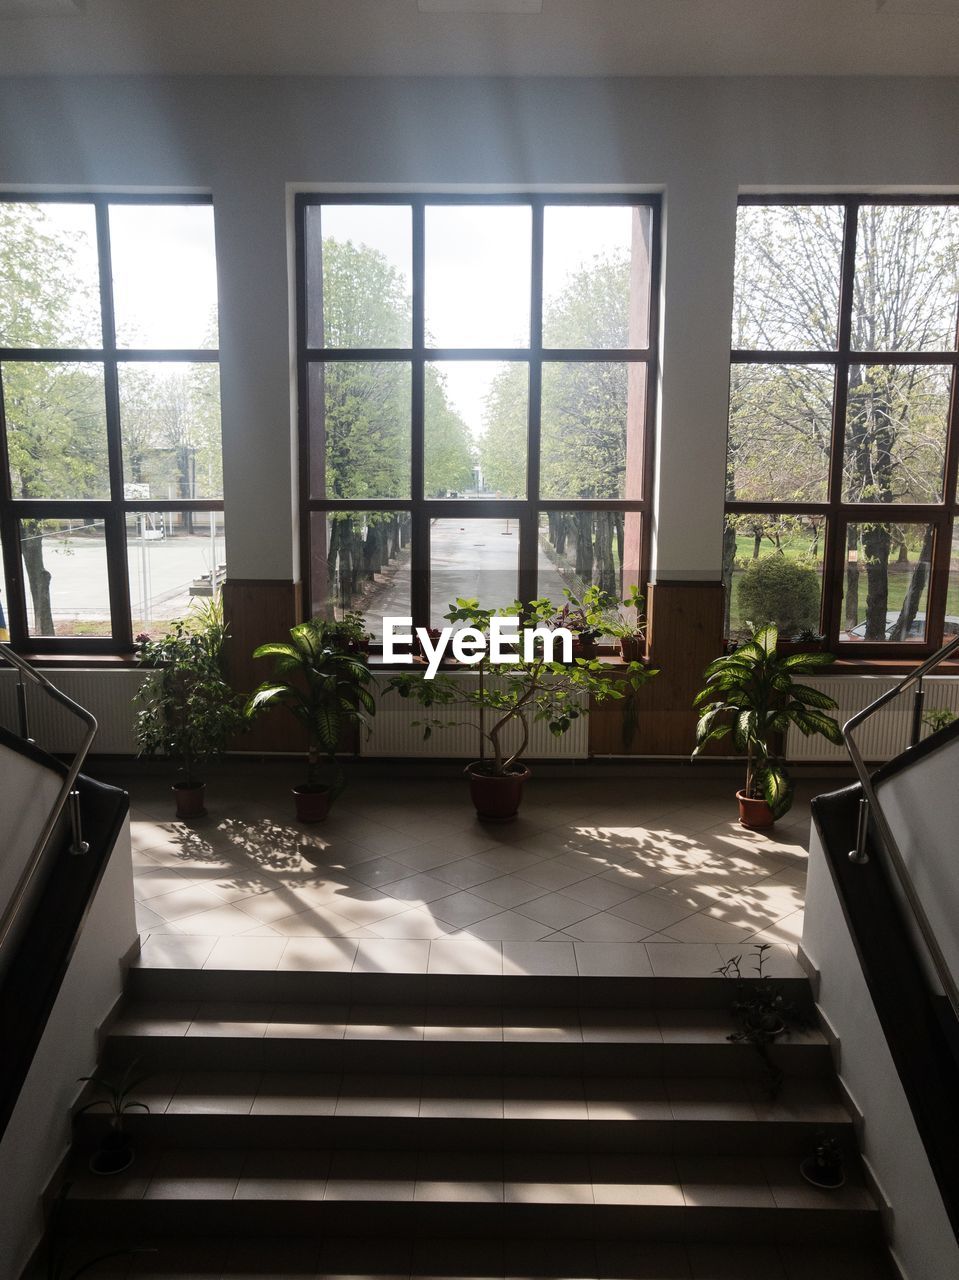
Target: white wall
[
  {"x": 38, "y": 1134},
  {"x": 27, "y": 794},
  {"x": 922, "y": 1238},
  {"x": 698, "y": 140}
]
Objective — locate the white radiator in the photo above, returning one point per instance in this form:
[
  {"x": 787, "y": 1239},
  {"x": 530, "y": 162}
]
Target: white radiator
[
  {"x": 108, "y": 694},
  {"x": 885, "y": 734},
  {"x": 394, "y": 733}
]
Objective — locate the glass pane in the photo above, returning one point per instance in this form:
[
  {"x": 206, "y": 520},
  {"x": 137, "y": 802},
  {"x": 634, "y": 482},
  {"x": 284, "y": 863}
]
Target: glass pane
[
  {"x": 170, "y": 428},
  {"x": 780, "y": 428},
  {"x": 788, "y": 267},
  {"x": 359, "y": 272},
  {"x": 773, "y": 570},
  {"x": 476, "y": 412},
  {"x": 907, "y": 278},
  {"x": 592, "y": 430},
  {"x": 473, "y": 558},
  {"x": 175, "y": 559},
  {"x": 164, "y": 275},
  {"x": 65, "y": 576},
  {"x": 952, "y": 599},
  {"x": 360, "y": 429},
  {"x": 49, "y": 276},
  {"x": 361, "y": 563},
  {"x": 886, "y": 582},
  {"x": 580, "y": 548},
  {"x": 896, "y": 421},
  {"x": 596, "y": 275},
  {"x": 56, "y": 430},
  {"x": 478, "y": 275}
]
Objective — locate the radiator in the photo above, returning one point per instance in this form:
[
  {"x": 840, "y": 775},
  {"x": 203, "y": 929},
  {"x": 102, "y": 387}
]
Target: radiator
[
  {"x": 394, "y": 733},
  {"x": 885, "y": 734},
  {"x": 108, "y": 694}
]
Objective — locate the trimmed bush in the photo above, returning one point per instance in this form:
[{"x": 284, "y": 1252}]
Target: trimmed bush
[{"x": 780, "y": 591}]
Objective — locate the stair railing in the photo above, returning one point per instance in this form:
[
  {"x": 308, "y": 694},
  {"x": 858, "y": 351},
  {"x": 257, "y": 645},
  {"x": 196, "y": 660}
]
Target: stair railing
[
  {"x": 871, "y": 811},
  {"x": 68, "y": 797}
]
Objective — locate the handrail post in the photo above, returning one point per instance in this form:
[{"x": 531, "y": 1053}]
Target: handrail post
[
  {"x": 917, "y": 700},
  {"x": 859, "y": 853},
  {"x": 23, "y": 717},
  {"x": 77, "y": 844}
]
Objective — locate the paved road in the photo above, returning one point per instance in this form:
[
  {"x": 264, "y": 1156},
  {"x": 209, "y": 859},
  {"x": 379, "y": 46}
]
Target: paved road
[
  {"x": 474, "y": 558},
  {"x": 160, "y": 576}
]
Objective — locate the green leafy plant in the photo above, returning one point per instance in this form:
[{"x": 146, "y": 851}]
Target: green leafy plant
[
  {"x": 752, "y": 694},
  {"x": 808, "y": 635},
  {"x": 528, "y": 691},
  {"x": 187, "y": 709},
  {"x": 326, "y": 689},
  {"x": 937, "y": 718},
  {"x": 762, "y": 1009},
  {"x": 349, "y": 634},
  {"x": 114, "y": 1095},
  {"x": 783, "y": 592}
]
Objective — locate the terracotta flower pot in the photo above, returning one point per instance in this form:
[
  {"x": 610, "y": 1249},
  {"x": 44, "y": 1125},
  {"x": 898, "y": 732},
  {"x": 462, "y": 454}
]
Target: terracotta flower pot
[
  {"x": 754, "y": 814},
  {"x": 497, "y": 799},
  {"x": 190, "y": 801},
  {"x": 312, "y": 803}
]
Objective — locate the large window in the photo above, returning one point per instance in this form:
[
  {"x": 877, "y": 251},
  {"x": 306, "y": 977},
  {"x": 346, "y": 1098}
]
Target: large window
[
  {"x": 110, "y": 462},
  {"x": 843, "y": 423},
  {"x": 475, "y": 387}
]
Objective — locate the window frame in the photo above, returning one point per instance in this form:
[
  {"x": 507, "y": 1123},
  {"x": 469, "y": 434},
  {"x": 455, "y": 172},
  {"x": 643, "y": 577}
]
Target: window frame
[
  {"x": 526, "y": 511},
  {"x": 942, "y": 516},
  {"x": 113, "y": 511}
]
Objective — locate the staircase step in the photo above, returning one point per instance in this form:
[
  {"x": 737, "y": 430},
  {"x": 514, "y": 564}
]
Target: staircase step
[
  {"x": 600, "y": 1113},
  {"x": 345, "y": 1258},
  {"x": 479, "y": 1039},
  {"x": 378, "y": 1192},
  {"x": 540, "y": 991}
]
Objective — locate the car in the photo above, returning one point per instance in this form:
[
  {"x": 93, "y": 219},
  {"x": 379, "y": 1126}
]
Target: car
[{"x": 917, "y": 629}]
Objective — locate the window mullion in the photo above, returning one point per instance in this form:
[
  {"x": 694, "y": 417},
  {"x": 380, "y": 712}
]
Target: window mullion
[
  {"x": 420, "y": 548},
  {"x": 529, "y": 526},
  {"x": 115, "y": 522}
]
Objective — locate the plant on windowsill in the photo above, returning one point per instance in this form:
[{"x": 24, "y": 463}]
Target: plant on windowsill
[
  {"x": 805, "y": 640},
  {"x": 349, "y": 634},
  {"x": 327, "y": 690},
  {"x": 188, "y": 712},
  {"x": 762, "y": 1009},
  {"x": 115, "y": 1152},
  {"x": 753, "y": 695},
  {"x": 509, "y": 699}
]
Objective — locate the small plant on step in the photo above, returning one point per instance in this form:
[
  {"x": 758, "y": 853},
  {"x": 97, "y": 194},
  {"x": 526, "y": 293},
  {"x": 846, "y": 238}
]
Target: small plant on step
[
  {"x": 761, "y": 1008},
  {"x": 824, "y": 1168},
  {"x": 115, "y": 1152}
]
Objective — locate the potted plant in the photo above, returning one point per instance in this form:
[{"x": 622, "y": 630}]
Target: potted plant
[
  {"x": 752, "y": 694},
  {"x": 327, "y": 690},
  {"x": 805, "y": 640},
  {"x": 115, "y": 1152},
  {"x": 762, "y": 1009},
  {"x": 349, "y": 633},
  {"x": 188, "y": 711},
  {"x": 628, "y": 626},
  {"x": 937, "y": 718},
  {"x": 825, "y": 1167},
  {"x": 529, "y": 690}
]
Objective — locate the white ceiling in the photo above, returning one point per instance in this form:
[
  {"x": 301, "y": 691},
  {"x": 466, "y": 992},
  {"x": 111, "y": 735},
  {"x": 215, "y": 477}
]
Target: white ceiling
[{"x": 568, "y": 37}]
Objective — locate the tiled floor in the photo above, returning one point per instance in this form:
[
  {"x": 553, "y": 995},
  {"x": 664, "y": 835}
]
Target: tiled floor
[{"x": 644, "y": 876}]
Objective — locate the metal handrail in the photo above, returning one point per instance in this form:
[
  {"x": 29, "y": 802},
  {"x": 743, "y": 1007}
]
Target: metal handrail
[
  {"x": 67, "y": 797},
  {"x": 870, "y": 810}
]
